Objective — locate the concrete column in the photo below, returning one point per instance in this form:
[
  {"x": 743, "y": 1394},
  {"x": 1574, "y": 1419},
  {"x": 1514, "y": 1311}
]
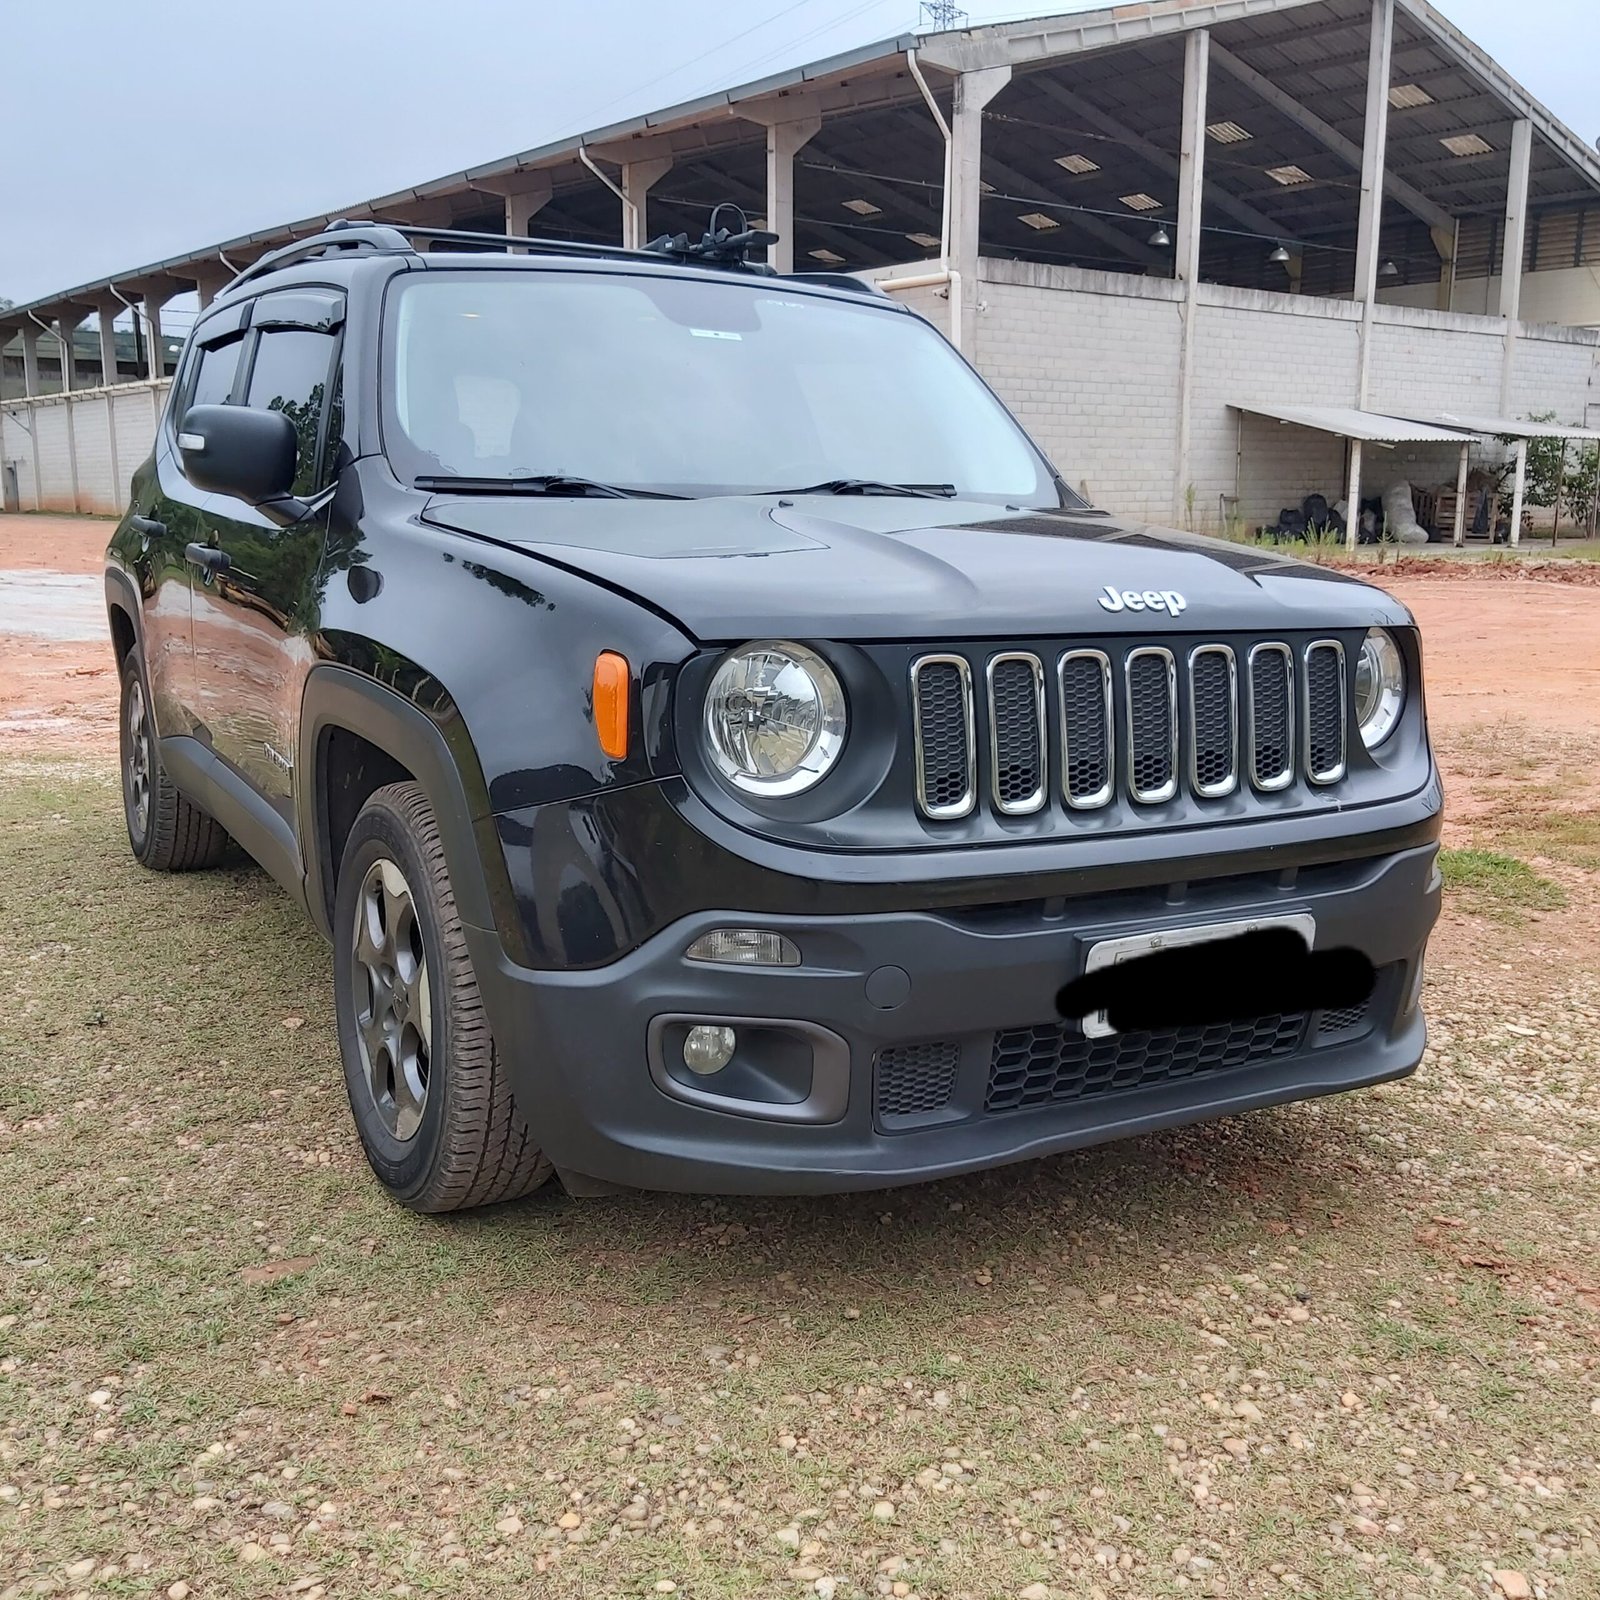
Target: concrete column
[
  {"x": 1192, "y": 153},
  {"x": 1191, "y": 200},
  {"x": 66, "y": 329},
  {"x": 156, "y": 359},
  {"x": 1516, "y": 235},
  {"x": 973, "y": 91},
  {"x": 108, "y": 345},
  {"x": 1518, "y": 491},
  {"x": 1374, "y": 145},
  {"x": 523, "y": 204},
  {"x": 638, "y": 178},
  {"x": 1459, "y": 531},
  {"x": 30, "y": 361},
  {"x": 1447, "y": 242},
  {"x": 208, "y": 285},
  {"x": 1352, "y": 497},
  {"x": 785, "y": 140}
]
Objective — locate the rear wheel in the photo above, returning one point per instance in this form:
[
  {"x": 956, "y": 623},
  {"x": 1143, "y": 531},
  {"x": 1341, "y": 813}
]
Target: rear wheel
[
  {"x": 427, "y": 1086},
  {"x": 167, "y": 831}
]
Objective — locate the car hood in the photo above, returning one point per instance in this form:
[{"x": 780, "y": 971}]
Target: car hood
[{"x": 731, "y": 568}]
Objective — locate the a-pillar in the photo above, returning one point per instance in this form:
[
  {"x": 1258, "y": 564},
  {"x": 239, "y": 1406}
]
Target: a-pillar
[
  {"x": 1374, "y": 157},
  {"x": 30, "y": 361},
  {"x": 973, "y": 91},
  {"x": 66, "y": 330},
  {"x": 1191, "y": 195},
  {"x": 1511, "y": 261},
  {"x": 108, "y": 345},
  {"x": 638, "y": 178}
]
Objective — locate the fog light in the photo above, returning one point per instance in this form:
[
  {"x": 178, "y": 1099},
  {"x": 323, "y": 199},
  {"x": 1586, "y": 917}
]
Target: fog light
[
  {"x": 708, "y": 1049},
  {"x": 745, "y": 947}
]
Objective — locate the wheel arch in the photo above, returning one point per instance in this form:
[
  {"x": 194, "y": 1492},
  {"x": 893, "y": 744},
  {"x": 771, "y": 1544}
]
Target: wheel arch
[
  {"x": 124, "y": 614},
  {"x": 356, "y": 736}
]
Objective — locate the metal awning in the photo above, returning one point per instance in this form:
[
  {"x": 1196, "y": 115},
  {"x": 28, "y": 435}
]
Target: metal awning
[
  {"x": 1370, "y": 427},
  {"x": 1512, "y": 427}
]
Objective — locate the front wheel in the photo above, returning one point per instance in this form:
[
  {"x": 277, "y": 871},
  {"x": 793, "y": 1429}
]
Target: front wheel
[{"x": 427, "y": 1086}]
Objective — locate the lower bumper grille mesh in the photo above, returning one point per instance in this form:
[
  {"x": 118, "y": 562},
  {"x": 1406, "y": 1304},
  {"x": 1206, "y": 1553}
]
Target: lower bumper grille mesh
[
  {"x": 916, "y": 1078},
  {"x": 1052, "y": 1063}
]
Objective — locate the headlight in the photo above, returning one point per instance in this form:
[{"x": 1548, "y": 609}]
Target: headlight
[
  {"x": 775, "y": 717},
  {"x": 1380, "y": 687}
]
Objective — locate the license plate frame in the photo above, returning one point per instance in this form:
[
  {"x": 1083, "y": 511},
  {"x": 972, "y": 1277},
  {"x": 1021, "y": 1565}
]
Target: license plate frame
[{"x": 1128, "y": 946}]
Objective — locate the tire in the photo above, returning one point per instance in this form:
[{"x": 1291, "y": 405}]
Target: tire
[
  {"x": 428, "y": 1090},
  {"x": 167, "y": 831}
]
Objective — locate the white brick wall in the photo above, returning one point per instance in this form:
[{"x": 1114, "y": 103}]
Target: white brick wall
[
  {"x": 1089, "y": 363},
  {"x": 134, "y": 406}
]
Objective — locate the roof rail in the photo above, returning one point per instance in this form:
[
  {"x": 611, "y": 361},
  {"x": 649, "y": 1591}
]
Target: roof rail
[
  {"x": 551, "y": 247},
  {"x": 338, "y": 238},
  {"x": 840, "y": 280}
]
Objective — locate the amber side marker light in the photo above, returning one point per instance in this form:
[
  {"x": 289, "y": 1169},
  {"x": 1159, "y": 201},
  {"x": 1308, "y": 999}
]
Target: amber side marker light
[{"x": 611, "y": 680}]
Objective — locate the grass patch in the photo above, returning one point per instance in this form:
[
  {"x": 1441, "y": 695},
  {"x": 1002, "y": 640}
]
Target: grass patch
[
  {"x": 967, "y": 1387},
  {"x": 1496, "y": 885}
]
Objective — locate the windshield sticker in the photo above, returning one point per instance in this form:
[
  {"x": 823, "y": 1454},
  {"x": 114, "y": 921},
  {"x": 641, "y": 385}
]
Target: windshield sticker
[{"x": 714, "y": 333}]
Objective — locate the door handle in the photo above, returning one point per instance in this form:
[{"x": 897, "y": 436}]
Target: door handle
[
  {"x": 208, "y": 556},
  {"x": 148, "y": 526}
]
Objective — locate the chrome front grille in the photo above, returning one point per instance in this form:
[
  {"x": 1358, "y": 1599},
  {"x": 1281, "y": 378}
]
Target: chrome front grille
[{"x": 1087, "y": 728}]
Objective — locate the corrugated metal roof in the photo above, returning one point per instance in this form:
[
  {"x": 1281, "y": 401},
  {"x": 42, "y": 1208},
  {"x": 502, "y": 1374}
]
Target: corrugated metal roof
[
  {"x": 1371, "y": 427},
  {"x": 1512, "y": 427}
]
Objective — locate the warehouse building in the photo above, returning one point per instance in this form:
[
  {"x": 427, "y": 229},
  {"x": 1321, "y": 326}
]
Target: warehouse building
[{"x": 1216, "y": 255}]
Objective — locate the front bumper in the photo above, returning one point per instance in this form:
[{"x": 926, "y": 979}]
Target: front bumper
[{"x": 977, "y": 988}]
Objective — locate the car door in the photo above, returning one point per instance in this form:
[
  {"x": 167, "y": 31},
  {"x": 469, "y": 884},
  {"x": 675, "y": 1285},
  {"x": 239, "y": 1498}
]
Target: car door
[
  {"x": 255, "y": 592},
  {"x": 170, "y": 515}
]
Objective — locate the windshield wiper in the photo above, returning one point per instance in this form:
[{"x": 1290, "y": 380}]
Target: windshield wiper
[
  {"x": 921, "y": 491},
  {"x": 551, "y": 483}
]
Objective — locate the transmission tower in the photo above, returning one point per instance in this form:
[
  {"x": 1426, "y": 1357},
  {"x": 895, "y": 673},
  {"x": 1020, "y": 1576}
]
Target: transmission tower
[{"x": 943, "y": 15}]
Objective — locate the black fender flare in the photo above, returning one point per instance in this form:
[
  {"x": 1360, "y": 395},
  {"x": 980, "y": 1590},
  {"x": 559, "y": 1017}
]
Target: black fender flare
[
  {"x": 122, "y": 594},
  {"x": 450, "y": 775}
]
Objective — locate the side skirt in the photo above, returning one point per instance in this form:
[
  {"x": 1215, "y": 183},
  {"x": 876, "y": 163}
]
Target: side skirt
[{"x": 212, "y": 784}]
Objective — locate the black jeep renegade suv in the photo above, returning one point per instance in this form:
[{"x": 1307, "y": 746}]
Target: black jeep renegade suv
[{"x": 711, "y": 734}]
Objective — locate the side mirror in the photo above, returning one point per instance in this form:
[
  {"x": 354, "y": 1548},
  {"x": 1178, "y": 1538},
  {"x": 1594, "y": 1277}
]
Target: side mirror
[{"x": 242, "y": 452}]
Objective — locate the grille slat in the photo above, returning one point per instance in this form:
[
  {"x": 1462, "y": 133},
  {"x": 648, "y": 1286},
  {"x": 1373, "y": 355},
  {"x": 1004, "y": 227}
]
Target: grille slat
[
  {"x": 1052, "y": 1063},
  {"x": 1084, "y": 677},
  {"x": 946, "y": 753},
  {"x": 1152, "y": 725},
  {"x": 1271, "y": 716},
  {"x": 1325, "y": 711},
  {"x": 1123, "y": 726},
  {"x": 1016, "y": 733},
  {"x": 1213, "y": 721}
]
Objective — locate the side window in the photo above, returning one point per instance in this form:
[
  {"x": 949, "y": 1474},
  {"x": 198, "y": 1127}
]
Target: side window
[
  {"x": 291, "y": 372},
  {"x": 214, "y": 372}
]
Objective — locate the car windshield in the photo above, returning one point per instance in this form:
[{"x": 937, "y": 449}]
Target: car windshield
[{"x": 688, "y": 386}]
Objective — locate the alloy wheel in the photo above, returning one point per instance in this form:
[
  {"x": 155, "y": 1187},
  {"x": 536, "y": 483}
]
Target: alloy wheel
[
  {"x": 391, "y": 999},
  {"x": 137, "y": 764}
]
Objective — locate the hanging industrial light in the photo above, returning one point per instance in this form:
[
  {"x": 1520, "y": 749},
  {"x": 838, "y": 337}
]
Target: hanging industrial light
[
  {"x": 1280, "y": 255},
  {"x": 1160, "y": 239},
  {"x": 1388, "y": 270}
]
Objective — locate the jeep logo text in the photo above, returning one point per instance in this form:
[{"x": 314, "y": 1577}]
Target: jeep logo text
[{"x": 1167, "y": 600}]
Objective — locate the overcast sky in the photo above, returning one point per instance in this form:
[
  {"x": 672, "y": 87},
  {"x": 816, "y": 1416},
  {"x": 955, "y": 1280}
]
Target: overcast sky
[{"x": 136, "y": 133}]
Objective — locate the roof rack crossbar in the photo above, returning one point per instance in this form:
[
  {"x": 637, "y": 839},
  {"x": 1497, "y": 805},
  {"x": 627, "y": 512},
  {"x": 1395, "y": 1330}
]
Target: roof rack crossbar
[{"x": 553, "y": 247}]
